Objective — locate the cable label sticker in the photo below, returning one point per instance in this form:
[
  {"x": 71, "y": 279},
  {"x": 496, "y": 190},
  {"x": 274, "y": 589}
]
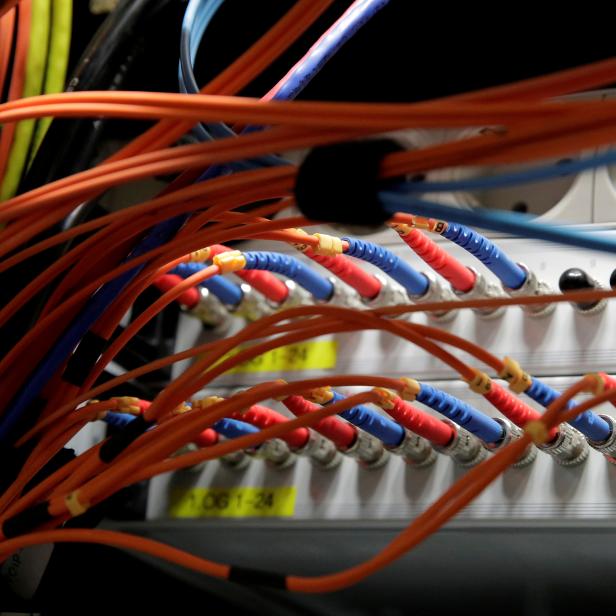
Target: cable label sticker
[
  {"x": 239, "y": 502},
  {"x": 312, "y": 355}
]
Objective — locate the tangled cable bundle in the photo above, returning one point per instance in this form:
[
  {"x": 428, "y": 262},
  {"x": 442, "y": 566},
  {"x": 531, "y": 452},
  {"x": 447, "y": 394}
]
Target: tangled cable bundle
[{"x": 184, "y": 239}]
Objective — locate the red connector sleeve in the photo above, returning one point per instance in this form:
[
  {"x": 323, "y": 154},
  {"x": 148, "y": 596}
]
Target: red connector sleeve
[
  {"x": 190, "y": 297},
  {"x": 265, "y": 282},
  {"x": 350, "y": 272},
  {"x": 342, "y": 433},
  {"x": 263, "y": 417},
  {"x": 461, "y": 278},
  {"x": 420, "y": 422},
  {"x": 207, "y": 438},
  {"x": 513, "y": 408},
  {"x": 609, "y": 382}
]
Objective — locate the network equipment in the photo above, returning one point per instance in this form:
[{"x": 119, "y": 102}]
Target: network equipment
[{"x": 387, "y": 312}]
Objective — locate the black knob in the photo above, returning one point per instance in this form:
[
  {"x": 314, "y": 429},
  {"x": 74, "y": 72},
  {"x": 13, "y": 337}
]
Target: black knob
[
  {"x": 576, "y": 279},
  {"x": 613, "y": 280}
]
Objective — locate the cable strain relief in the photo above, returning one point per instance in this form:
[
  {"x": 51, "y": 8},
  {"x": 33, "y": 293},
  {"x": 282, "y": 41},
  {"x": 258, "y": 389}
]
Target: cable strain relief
[{"x": 200, "y": 256}]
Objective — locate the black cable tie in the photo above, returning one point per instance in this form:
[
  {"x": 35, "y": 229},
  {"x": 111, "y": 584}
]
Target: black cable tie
[
  {"x": 340, "y": 183},
  {"x": 84, "y": 359},
  {"x": 26, "y": 521},
  {"x": 119, "y": 441},
  {"x": 64, "y": 456},
  {"x": 256, "y": 577}
]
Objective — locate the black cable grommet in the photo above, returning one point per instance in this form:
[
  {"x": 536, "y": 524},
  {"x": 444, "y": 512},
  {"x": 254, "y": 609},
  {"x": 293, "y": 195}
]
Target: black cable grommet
[{"x": 340, "y": 183}]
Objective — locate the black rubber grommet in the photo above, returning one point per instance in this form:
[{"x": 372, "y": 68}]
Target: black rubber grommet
[{"x": 340, "y": 183}]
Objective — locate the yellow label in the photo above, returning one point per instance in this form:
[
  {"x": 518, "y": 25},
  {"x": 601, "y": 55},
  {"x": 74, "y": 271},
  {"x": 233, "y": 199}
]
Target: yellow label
[
  {"x": 240, "y": 502},
  {"x": 312, "y": 355}
]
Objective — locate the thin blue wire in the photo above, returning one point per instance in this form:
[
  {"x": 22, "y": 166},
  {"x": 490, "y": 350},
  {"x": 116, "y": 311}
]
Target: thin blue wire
[
  {"x": 197, "y": 17},
  {"x": 503, "y": 180},
  {"x": 306, "y": 70},
  {"x": 511, "y": 223}
]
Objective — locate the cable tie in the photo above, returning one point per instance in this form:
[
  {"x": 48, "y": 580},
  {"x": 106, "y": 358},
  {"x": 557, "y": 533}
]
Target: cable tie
[
  {"x": 519, "y": 380},
  {"x": 386, "y": 397},
  {"x": 297, "y": 245},
  {"x": 321, "y": 395},
  {"x": 231, "y": 261},
  {"x": 204, "y": 403},
  {"x": 200, "y": 256},
  {"x": 401, "y": 229},
  {"x": 480, "y": 383},
  {"x": 427, "y": 224},
  {"x": 410, "y": 389},
  {"x": 128, "y": 404},
  {"x": 74, "y": 506},
  {"x": 181, "y": 409},
  {"x": 598, "y": 386},
  {"x": 537, "y": 431},
  {"x": 328, "y": 246},
  {"x": 280, "y": 398}
]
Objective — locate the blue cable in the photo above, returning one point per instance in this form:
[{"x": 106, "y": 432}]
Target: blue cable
[
  {"x": 95, "y": 307},
  {"x": 588, "y": 423},
  {"x": 503, "y": 180},
  {"x": 391, "y": 433},
  {"x": 118, "y": 420},
  {"x": 414, "y": 282},
  {"x": 465, "y": 415},
  {"x": 197, "y": 17},
  {"x": 232, "y": 428},
  {"x": 320, "y": 287},
  {"x": 305, "y": 71},
  {"x": 511, "y": 223},
  {"x": 507, "y": 271},
  {"x": 224, "y": 289}
]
